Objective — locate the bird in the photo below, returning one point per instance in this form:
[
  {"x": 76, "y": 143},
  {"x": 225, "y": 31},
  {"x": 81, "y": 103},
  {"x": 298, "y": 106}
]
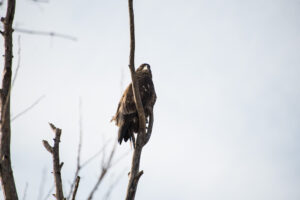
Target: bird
[{"x": 126, "y": 117}]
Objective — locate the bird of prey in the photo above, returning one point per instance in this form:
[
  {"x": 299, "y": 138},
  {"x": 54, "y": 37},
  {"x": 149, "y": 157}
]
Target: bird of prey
[{"x": 126, "y": 117}]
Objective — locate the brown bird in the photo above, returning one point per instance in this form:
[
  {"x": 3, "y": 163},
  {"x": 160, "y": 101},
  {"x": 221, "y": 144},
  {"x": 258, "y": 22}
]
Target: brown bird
[{"x": 126, "y": 117}]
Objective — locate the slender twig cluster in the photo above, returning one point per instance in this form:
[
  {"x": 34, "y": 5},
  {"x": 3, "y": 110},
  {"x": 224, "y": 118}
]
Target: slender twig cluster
[{"x": 106, "y": 164}]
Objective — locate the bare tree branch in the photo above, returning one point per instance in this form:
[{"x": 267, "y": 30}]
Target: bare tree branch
[
  {"x": 14, "y": 80},
  {"x": 45, "y": 33},
  {"x": 47, "y": 146},
  {"x": 78, "y": 166},
  {"x": 76, "y": 187},
  {"x": 141, "y": 140},
  {"x": 28, "y": 108},
  {"x": 135, "y": 86},
  {"x": 105, "y": 167},
  {"x": 95, "y": 155},
  {"x": 19, "y": 61},
  {"x": 6, "y": 172},
  {"x": 56, "y": 163}
]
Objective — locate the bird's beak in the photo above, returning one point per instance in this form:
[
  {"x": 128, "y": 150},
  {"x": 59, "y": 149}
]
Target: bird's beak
[{"x": 145, "y": 68}]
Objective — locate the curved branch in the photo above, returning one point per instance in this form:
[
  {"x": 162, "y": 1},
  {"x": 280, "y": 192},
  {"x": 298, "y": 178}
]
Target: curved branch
[
  {"x": 135, "y": 84},
  {"x": 135, "y": 174},
  {"x": 6, "y": 172}
]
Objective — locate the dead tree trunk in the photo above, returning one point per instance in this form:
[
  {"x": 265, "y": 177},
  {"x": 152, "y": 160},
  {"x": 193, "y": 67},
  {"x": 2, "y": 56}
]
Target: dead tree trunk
[{"x": 6, "y": 173}]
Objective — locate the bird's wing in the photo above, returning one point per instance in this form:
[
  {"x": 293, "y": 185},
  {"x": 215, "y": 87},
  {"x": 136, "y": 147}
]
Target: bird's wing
[{"x": 126, "y": 105}]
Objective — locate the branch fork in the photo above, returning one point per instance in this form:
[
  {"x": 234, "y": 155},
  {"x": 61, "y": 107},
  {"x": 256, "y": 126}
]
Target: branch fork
[{"x": 54, "y": 151}]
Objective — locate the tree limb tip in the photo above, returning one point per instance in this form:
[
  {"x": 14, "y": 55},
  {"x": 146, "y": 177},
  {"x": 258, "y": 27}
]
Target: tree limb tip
[
  {"x": 47, "y": 146},
  {"x": 57, "y": 131}
]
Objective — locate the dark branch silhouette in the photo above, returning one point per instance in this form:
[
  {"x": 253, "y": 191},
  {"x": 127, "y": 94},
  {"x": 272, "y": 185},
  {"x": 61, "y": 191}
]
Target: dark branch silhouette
[
  {"x": 56, "y": 163},
  {"x": 76, "y": 187},
  {"x": 142, "y": 136},
  {"x": 6, "y": 172}
]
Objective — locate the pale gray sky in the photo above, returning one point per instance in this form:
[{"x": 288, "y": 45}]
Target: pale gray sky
[{"x": 226, "y": 75}]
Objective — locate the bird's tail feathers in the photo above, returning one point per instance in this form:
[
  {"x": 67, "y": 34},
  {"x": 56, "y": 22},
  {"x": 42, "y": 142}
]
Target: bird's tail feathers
[{"x": 124, "y": 133}]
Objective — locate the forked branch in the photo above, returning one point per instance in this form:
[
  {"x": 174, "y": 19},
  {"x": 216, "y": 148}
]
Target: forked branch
[{"x": 56, "y": 163}]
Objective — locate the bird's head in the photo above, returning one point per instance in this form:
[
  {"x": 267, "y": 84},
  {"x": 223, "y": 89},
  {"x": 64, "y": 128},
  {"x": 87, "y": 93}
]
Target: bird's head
[{"x": 144, "y": 69}]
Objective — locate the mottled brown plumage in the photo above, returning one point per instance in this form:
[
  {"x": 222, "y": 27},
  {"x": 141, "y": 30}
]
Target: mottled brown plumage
[{"x": 126, "y": 117}]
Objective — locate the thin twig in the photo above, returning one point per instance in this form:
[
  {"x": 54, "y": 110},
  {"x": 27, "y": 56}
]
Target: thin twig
[
  {"x": 105, "y": 167},
  {"x": 19, "y": 61},
  {"x": 29, "y": 108},
  {"x": 46, "y": 33},
  {"x": 95, "y": 155},
  {"x": 78, "y": 166},
  {"x": 76, "y": 187}
]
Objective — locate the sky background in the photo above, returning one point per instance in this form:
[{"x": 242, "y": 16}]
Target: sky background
[{"x": 226, "y": 74}]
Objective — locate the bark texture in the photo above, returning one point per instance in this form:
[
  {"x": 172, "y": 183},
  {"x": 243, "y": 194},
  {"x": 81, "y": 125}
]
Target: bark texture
[
  {"x": 6, "y": 173},
  {"x": 56, "y": 163}
]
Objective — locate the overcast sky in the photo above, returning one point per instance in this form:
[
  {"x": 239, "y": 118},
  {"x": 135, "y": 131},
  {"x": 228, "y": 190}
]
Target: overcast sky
[{"x": 226, "y": 74}]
